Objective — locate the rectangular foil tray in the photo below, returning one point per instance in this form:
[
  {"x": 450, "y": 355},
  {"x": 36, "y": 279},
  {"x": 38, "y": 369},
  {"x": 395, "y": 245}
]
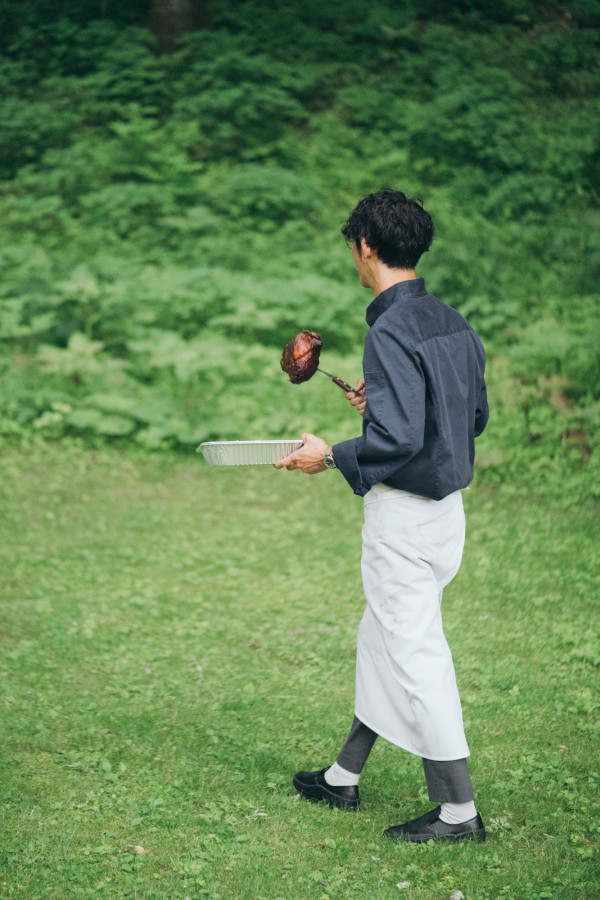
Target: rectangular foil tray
[{"x": 246, "y": 453}]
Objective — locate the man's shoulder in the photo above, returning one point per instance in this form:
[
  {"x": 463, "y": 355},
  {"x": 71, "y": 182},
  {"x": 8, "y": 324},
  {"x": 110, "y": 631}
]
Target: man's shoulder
[{"x": 422, "y": 318}]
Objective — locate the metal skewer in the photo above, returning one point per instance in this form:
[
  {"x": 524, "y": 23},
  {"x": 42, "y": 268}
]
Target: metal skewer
[{"x": 343, "y": 384}]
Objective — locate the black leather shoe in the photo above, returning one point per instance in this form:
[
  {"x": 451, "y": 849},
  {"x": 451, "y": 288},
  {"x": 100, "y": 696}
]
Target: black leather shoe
[
  {"x": 430, "y": 828},
  {"x": 313, "y": 786}
]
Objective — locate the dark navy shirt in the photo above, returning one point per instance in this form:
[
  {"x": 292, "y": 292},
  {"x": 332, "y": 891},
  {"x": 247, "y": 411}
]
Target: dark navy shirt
[{"x": 423, "y": 367}]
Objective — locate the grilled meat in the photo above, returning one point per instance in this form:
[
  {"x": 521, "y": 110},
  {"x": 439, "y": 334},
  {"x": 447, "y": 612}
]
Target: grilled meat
[{"x": 301, "y": 356}]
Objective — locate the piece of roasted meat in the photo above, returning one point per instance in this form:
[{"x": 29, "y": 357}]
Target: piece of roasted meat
[{"x": 301, "y": 356}]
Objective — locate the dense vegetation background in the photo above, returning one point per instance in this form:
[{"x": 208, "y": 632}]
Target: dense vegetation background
[{"x": 170, "y": 212}]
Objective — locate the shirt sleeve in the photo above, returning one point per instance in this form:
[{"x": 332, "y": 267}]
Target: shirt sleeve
[
  {"x": 482, "y": 413},
  {"x": 394, "y": 416}
]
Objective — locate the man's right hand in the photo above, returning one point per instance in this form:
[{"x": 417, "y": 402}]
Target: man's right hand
[{"x": 358, "y": 397}]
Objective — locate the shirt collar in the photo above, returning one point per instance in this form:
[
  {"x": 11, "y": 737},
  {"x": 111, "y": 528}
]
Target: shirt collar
[{"x": 401, "y": 291}]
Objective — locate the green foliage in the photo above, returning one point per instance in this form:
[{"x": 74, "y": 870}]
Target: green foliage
[
  {"x": 64, "y": 36},
  {"x": 237, "y": 106},
  {"x": 169, "y": 222},
  {"x": 28, "y": 129},
  {"x": 517, "y": 11},
  {"x": 263, "y": 197}
]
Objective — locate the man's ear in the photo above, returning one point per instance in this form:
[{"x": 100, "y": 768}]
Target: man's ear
[{"x": 365, "y": 250}]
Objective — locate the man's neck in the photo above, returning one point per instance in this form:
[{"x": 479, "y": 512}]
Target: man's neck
[{"x": 385, "y": 278}]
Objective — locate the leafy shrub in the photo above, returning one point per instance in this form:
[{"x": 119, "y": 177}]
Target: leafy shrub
[
  {"x": 565, "y": 68},
  {"x": 241, "y": 121},
  {"x": 127, "y": 208},
  {"x": 66, "y": 41},
  {"x": 127, "y": 74},
  {"x": 311, "y": 32},
  {"x": 368, "y": 108},
  {"x": 466, "y": 122},
  {"x": 238, "y": 106},
  {"x": 28, "y": 129},
  {"x": 263, "y": 197},
  {"x": 271, "y": 311},
  {"x": 567, "y": 355},
  {"x": 519, "y": 11}
]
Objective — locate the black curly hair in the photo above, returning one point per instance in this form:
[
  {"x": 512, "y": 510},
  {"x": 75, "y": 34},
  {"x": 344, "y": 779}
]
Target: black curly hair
[{"x": 394, "y": 225}]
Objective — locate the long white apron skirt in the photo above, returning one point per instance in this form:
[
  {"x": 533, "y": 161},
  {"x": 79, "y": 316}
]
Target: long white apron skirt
[{"x": 405, "y": 684}]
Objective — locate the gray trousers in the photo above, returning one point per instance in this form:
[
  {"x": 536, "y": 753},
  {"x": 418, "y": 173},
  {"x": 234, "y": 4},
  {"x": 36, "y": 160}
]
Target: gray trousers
[{"x": 448, "y": 781}]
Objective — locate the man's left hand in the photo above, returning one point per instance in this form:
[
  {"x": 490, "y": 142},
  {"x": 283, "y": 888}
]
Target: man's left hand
[{"x": 309, "y": 458}]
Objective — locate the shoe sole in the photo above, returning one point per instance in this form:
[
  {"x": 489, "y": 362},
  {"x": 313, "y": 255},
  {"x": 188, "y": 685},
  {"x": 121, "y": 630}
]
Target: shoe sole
[
  {"x": 321, "y": 795},
  {"x": 477, "y": 836}
]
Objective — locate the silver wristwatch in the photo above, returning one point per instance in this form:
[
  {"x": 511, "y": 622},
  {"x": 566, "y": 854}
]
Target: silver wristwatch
[{"x": 329, "y": 461}]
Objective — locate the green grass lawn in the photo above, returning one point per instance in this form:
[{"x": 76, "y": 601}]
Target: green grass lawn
[{"x": 176, "y": 641}]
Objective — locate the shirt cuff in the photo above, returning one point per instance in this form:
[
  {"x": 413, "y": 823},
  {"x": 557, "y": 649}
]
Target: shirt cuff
[{"x": 346, "y": 461}]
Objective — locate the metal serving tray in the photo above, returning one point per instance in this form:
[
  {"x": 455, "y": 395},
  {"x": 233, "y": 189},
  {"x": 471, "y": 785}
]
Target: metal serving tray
[{"x": 246, "y": 453}]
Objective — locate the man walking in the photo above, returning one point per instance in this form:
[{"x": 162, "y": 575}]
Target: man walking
[{"x": 423, "y": 402}]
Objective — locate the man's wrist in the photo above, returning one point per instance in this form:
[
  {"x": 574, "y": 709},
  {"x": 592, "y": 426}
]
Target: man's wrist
[{"x": 328, "y": 459}]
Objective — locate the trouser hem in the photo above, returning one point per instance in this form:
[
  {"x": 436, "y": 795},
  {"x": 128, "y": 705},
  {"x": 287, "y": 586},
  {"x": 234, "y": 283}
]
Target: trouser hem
[
  {"x": 359, "y": 744},
  {"x": 448, "y": 781}
]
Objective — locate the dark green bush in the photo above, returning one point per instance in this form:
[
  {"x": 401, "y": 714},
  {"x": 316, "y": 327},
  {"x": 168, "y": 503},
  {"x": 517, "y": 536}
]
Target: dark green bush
[
  {"x": 262, "y": 196},
  {"x": 28, "y": 129}
]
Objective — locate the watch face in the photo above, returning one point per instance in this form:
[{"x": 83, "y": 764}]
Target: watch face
[{"x": 329, "y": 461}]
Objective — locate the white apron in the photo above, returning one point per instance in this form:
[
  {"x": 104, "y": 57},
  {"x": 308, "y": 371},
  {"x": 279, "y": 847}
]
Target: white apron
[{"x": 405, "y": 684}]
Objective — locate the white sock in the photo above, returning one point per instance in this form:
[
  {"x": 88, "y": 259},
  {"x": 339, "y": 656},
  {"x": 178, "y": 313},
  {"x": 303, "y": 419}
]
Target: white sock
[
  {"x": 457, "y": 813},
  {"x": 337, "y": 776}
]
